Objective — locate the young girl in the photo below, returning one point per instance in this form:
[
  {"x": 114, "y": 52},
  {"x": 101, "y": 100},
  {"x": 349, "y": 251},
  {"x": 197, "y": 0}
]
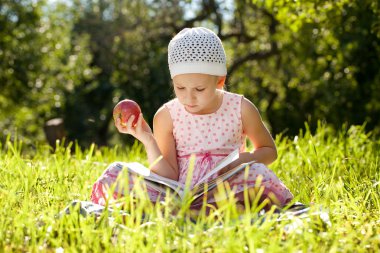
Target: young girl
[{"x": 203, "y": 120}]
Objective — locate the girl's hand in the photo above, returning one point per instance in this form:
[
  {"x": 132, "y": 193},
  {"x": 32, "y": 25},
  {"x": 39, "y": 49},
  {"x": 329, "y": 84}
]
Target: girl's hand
[
  {"x": 243, "y": 158},
  {"x": 140, "y": 131},
  {"x": 230, "y": 166}
]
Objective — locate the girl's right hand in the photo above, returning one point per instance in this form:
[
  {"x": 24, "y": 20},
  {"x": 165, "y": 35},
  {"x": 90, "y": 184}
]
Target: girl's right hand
[{"x": 140, "y": 131}]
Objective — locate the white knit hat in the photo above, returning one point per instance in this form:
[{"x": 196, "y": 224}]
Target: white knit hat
[{"x": 196, "y": 50}]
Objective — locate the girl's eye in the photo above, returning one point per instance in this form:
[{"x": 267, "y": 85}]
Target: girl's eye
[
  {"x": 200, "y": 89},
  {"x": 180, "y": 88}
]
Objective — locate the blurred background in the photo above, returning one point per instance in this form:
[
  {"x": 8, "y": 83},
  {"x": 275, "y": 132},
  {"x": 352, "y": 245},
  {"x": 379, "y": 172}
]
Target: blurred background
[{"x": 65, "y": 64}]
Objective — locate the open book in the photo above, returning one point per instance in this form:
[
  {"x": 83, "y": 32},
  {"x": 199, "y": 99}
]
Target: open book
[{"x": 208, "y": 182}]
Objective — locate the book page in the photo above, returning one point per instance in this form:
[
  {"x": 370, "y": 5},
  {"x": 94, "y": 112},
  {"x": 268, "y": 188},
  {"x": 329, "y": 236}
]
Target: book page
[
  {"x": 163, "y": 187},
  {"x": 222, "y": 164},
  {"x": 137, "y": 168},
  {"x": 199, "y": 191},
  {"x": 140, "y": 169}
]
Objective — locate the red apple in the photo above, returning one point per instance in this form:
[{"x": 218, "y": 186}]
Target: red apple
[{"x": 125, "y": 109}]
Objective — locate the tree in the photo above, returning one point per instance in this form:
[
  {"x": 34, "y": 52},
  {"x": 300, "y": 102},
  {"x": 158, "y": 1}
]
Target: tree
[
  {"x": 128, "y": 40},
  {"x": 271, "y": 48},
  {"x": 38, "y": 65},
  {"x": 297, "y": 61},
  {"x": 328, "y": 63}
]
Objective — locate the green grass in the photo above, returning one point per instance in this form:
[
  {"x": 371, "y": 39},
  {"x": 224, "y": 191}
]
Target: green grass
[{"x": 338, "y": 171}]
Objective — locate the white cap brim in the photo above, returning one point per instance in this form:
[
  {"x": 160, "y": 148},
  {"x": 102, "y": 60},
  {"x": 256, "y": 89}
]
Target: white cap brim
[{"x": 216, "y": 69}]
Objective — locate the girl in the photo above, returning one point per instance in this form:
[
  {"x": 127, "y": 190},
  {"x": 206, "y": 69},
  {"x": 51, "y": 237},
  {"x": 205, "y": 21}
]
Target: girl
[{"x": 203, "y": 120}]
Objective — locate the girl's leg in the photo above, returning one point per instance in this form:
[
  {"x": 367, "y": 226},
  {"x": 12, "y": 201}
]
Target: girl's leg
[
  {"x": 261, "y": 180},
  {"x": 112, "y": 185},
  {"x": 261, "y": 183}
]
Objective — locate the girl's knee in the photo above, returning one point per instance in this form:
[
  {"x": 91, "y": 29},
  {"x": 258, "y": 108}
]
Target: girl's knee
[
  {"x": 258, "y": 166},
  {"x": 115, "y": 166}
]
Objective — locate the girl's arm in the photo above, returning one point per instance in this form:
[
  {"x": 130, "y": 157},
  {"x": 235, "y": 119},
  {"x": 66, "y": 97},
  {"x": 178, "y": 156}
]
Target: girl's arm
[
  {"x": 264, "y": 148},
  {"x": 163, "y": 133},
  {"x": 164, "y": 137}
]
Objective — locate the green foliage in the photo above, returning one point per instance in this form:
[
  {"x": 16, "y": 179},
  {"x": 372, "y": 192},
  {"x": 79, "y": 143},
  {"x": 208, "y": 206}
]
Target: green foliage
[
  {"x": 336, "y": 170},
  {"x": 296, "y": 60},
  {"x": 129, "y": 43},
  {"x": 327, "y": 67},
  {"x": 39, "y": 65}
]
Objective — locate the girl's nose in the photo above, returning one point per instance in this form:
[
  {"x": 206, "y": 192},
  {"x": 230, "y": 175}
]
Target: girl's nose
[{"x": 190, "y": 97}]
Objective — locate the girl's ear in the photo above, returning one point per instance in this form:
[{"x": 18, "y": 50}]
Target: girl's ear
[{"x": 221, "y": 81}]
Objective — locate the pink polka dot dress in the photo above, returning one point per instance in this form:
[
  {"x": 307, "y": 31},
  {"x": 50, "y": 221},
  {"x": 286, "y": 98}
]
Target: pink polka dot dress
[
  {"x": 212, "y": 137},
  {"x": 113, "y": 179}
]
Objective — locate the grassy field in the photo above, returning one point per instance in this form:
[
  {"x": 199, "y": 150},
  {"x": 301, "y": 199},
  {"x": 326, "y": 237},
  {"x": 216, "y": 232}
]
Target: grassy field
[{"x": 335, "y": 171}]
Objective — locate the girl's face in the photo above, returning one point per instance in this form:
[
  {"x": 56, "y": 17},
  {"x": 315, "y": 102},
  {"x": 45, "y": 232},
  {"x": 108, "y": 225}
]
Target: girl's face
[{"x": 199, "y": 93}]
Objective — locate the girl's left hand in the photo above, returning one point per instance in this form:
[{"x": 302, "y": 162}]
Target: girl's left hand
[{"x": 243, "y": 158}]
